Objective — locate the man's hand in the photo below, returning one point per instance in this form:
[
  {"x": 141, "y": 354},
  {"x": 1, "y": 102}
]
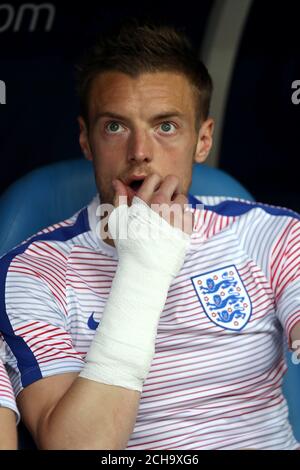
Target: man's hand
[{"x": 163, "y": 196}]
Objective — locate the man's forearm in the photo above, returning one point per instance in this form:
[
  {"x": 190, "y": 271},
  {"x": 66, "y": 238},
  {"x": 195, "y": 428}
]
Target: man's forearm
[
  {"x": 8, "y": 432},
  {"x": 90, "y": 415}
]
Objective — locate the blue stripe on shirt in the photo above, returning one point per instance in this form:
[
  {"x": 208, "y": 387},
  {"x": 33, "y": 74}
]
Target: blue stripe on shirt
[{"x": 236, "y": 208}]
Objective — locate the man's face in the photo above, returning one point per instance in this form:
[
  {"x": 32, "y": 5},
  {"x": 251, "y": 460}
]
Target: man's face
[{"x": 138, "y": 126}]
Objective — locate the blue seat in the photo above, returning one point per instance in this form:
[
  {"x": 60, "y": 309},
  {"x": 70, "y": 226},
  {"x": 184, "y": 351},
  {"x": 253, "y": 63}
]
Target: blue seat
[{"x": 54, "y": 192}]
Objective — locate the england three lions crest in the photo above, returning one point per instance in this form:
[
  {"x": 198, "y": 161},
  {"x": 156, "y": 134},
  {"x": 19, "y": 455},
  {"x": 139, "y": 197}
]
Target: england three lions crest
[{"x": 224, "y": 298}]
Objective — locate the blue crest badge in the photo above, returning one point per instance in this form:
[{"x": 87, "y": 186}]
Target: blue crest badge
[{"x": 224, "y": 298}]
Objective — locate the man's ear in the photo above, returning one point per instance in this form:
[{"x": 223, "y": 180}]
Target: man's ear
[
  {"x": 84, "y": 139},
  {"x": 205, "y": 141}
]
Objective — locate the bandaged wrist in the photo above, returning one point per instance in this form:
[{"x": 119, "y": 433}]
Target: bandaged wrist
[{"x": 123, "y": 346}]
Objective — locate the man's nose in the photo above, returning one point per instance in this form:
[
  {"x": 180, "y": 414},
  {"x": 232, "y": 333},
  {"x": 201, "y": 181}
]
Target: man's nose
[{"x": 140, "y": 146}]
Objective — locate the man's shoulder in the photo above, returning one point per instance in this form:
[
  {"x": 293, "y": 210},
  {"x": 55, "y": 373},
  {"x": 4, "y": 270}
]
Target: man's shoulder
[
  {"x": 53, "y": 242},
  {"x": 235, "y": 207}
]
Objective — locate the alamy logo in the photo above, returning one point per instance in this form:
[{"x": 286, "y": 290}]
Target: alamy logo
[
  {"x": 2, "y": 92},
  {"x": 15, "y": 18},
  {"x": 296, "y": 94},
  {"x": 2, "y": 351},
  {"x": 224, "y": 298},
  {"x": 296, "y": 354}
]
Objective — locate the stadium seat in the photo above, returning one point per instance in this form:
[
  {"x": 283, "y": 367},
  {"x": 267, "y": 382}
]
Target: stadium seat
[{"x": 52, "y": 193}]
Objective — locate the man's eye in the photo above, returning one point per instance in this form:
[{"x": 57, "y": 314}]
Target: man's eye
[
  {"x": 113, "y": 127},
  {"x": 167, "y": 127}
]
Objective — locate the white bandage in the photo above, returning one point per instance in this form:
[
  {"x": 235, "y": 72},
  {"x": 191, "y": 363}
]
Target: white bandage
[{"x": 123, "y": 346}]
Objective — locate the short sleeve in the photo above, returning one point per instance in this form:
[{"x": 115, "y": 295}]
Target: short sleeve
[
  {"x": 33, "y": 321},
  {"x": 286, "y": 277},
  {"x": 7, "y": 397}
]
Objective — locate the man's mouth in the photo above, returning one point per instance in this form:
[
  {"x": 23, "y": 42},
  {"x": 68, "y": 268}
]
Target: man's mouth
[{"x": 133, "y": 184}]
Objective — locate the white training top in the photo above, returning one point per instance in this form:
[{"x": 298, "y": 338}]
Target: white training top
[{"x": 215, "y": 380}]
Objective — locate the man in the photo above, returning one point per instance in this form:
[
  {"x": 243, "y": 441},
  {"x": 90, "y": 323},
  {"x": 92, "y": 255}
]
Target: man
[
  {"x": 171, "y": 341},
  {"x": 8, "y": 410}
]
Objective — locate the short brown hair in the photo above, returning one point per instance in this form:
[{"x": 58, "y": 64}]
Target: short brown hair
[{"x": 134, "y": 48}]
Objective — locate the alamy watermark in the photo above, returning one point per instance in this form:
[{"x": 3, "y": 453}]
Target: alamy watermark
[
  {"x": 15, "y": 17},
  {"x": 296, "y": 95},
  {"x": 140, "y": 221},
  {"x": 2, "y": 92},
  {"x": 2, "y": 351},
  {"x": 296, "y": 352}
]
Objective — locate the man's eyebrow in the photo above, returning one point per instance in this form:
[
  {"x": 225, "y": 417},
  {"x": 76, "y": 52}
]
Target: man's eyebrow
[
  {"x": 169, "y": 115},
  {"x": 166, "y": 115},
  {"x": 109, "y": 114}
]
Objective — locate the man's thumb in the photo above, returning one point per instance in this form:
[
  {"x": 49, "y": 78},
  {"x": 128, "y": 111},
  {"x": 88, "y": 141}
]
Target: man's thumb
[{"x": 120, "y": 196}]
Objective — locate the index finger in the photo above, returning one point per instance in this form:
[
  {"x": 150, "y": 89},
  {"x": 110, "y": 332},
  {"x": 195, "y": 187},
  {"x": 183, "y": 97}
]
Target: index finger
[{"x": 150, "y": 184}]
